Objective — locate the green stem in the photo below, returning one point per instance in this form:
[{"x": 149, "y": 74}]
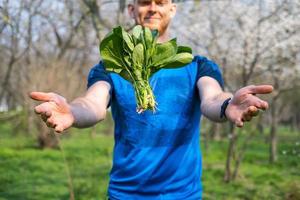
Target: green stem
[{"x": 145, "y": 96}]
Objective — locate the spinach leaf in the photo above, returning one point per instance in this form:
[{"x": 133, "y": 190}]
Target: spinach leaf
[
  {"x": 176, "y": 61},
  {"x": 137, "y": 56},
  {"x": 164, "y": 51},
  {"x": 110, "y": 52},
  {"x": 182, "y": 49}
]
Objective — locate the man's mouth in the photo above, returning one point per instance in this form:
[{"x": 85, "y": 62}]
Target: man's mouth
[{"x": 152, "y": 19}]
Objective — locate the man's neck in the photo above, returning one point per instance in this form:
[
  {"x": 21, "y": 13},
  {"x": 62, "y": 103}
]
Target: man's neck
[{"x": 164, "y": 37}]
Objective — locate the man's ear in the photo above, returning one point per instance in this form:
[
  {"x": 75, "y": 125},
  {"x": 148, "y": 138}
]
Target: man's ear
[
  {"x": 173, "y": 10},
  {"x": 130, "y": 9}
]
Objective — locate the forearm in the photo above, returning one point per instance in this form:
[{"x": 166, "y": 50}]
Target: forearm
[
  {"x": 211, "y": 107},
  {"x": 85, "y": 114},
  {"x": 243, "y": 106}
]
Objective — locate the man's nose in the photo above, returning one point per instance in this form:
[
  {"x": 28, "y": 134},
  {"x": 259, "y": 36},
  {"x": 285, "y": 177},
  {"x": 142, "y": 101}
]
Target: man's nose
[{"x": 152, "y": 6}]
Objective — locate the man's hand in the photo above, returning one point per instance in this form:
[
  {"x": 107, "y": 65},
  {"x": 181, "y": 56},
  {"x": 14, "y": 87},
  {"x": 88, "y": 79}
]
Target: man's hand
[
  {"x": 55, "y": 111},
  {"x": 245, "y": 104}
]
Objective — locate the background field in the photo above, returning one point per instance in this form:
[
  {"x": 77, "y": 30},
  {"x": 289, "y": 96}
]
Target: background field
[
  {"x": 51, "y": 45},
  {"x": 29, "y": 173}
]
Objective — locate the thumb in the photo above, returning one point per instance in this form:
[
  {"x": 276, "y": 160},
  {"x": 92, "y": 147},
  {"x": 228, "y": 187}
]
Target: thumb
[{"x": 41, "y": 96}]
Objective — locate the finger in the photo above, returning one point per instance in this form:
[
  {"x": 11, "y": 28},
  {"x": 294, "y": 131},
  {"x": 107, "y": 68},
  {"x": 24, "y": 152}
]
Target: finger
[
  {"x": 50, "y": 123},
  {"x": 42, "y": 108},
  {"x": 254, "y": 114},
  {"x": 239, "y": 123},
  {"x": 246, "y": 117},
  {"x": 252, "y": 111},
  {"x": 260, "y": 104},
  {"x": 59, "y": 128},
  {"x": 41, "y": 96},
  {"x": 260, "y": 89},
  {"x": 47, "y": 114},
  {"x": 257, "y": 102}
]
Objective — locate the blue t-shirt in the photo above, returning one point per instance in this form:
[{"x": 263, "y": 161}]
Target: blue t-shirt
[{"x": 157, "y": 155}]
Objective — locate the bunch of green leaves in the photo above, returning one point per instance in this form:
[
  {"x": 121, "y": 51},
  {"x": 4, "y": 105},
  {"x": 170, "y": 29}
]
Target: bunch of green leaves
[{"x": 137, "y": 56}]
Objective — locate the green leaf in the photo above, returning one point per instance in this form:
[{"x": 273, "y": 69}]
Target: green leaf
[
  {"x": 138, "y": 56},
  {"x": 127, "y": 60},
  {"x": 164, "y": 51},
  {"x": 112, "y": 70},
  {"x": 182, "y": 49},
  {"x": 124, "y": 73},
  {"x": 127, "y": 40},
  {"x": 155, "y": 37},
  {"x": 111, "y": 52},
  {"x": 136, "y": 33},
  {"x": 148, "y": 38},
  {"x": 179, "y": 60}
]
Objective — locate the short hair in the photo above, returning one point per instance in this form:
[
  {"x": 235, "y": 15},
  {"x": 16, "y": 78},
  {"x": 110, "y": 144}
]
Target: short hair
[{"x": 136, "y": 0}]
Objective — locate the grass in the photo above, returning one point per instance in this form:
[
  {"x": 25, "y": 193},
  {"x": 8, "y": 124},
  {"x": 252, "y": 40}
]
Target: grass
[
  {"x": 257, "y": 179},
  {"x": 28, "y": 173}
]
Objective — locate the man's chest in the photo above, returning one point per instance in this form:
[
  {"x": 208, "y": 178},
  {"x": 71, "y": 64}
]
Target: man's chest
[{"x": 171, "y": 88}]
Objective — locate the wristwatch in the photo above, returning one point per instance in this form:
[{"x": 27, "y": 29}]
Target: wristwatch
[{"x": 223, "y": 108}]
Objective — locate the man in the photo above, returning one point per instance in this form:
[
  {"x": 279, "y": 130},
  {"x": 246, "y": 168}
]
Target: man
[{"x": 156, "y": 155}]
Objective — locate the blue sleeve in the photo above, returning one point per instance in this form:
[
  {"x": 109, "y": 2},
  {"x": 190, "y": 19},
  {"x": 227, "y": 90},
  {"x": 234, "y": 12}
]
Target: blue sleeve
[
  {"x": 98, "y": 73},
  {"x": 208, "y": 68}
]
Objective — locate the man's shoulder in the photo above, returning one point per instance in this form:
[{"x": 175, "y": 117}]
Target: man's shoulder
[{"x": 201, "y": 59}]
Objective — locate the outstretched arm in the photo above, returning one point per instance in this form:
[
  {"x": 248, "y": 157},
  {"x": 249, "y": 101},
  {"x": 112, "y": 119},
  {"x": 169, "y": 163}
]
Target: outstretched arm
[
  {"x": 84, "y": 111},
  {"x": 243, "y": 106}
]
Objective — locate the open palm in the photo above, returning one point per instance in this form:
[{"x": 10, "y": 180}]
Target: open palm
[
  {"x": 55, "y": 111},
  {"x": 245, "y": 104}
]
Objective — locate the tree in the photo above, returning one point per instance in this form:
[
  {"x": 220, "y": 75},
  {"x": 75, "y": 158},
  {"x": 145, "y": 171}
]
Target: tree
[{"x": 245, "y": 38}]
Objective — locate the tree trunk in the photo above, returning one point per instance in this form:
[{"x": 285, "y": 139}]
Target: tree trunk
[
  {"x": 240, "y": 157},
  {"x": 273, "y": 137},
  {"x": 46, "y": 136},
  {"x": 260, "y": 127},
  {"x": 214, "y": 132},
  {"x": 230, "y": 153},
  {"x": 273, "y": 144}
]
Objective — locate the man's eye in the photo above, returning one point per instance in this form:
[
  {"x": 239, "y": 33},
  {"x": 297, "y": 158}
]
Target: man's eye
[
  {"x": 161, "y": 2},
  {"x": 144, "y": 2},
  {"x": 157, "y": 2}
]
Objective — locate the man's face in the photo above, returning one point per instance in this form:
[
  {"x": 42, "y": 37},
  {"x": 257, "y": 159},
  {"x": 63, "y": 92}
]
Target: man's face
[{"x": 154, "y": 14}]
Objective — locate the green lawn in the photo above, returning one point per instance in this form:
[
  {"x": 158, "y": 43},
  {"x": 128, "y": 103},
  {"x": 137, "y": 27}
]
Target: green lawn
[{"x": 28, "y": 173}]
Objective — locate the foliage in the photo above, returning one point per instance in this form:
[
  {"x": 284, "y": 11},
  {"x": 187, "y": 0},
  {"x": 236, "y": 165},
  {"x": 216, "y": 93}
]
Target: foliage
[{"x": 137, "y": 56}]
